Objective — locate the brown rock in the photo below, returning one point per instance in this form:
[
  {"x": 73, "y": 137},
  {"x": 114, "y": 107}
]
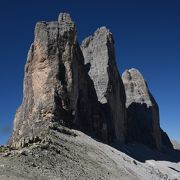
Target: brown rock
[{"x": 56, "y": 86}]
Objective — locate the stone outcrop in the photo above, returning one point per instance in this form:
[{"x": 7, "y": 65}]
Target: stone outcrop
[
  {"x": 99, "y": 56},
  {"x": 71, "y": 86},
  {"x": 142, "y": 112},
  {"x": 56, "y": 86}
]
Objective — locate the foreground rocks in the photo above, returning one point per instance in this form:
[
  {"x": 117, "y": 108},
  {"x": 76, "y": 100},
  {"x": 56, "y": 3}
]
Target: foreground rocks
[{"x": 74, "y": 104}]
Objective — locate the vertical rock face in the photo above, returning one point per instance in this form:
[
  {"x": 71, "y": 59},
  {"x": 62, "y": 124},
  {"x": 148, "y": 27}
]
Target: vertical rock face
[
  {"x": 99, "y": 56},
  {"x": 56, "y": 86},
  {"x": 142, "y": 111},
  {"x": 80, "y": 87}
]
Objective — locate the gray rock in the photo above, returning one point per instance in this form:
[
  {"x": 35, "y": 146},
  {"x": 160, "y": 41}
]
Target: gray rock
[
  {"x": 176, "y": 144},
  {"x": 57, "y": 87},
  {"x": 99, "y": 56},
  {"x": 142, "y": 111}
]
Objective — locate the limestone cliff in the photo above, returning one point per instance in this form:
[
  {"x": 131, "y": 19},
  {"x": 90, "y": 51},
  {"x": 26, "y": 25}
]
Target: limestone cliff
[
  {"x": 142, "y": 112},
  {"x": 99, "y": 56}
]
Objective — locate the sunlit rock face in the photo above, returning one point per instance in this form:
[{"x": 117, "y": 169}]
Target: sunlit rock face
[
  {"x": 142, "y": 112},
  {"x": 99, "y": 56},
  {"x": 56, "y": 86}
]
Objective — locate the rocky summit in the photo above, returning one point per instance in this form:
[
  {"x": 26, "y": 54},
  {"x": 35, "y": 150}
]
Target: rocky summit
[
  {"x": 79, "y": 118},
  {"x": 142, "y": 112}
]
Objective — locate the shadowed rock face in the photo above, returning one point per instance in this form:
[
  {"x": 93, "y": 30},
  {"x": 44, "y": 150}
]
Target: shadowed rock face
[
  {"x": 142, "y": 112},
  {"x": 99, "y": 56},
  {"x": 165, "y": 140}
]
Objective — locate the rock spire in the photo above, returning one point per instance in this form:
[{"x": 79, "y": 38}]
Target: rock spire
[
  {"x": 142, "y": 111},
  {"x": 71, "y": 86}
]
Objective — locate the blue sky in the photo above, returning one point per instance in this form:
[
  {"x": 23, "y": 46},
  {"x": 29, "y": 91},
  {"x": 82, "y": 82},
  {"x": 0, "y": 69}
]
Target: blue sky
[{"x": 146, "y": 33}]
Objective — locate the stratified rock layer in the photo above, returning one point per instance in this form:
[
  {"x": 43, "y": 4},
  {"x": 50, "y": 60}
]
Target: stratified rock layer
[
  {"x": 142, "y": 111},
  {"x": 99, "y": 56}
]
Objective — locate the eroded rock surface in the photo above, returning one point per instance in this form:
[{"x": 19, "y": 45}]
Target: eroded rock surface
[
  {"x": 142, "y": 112},
  {"x": 74, "y": 155},
  {"x": 80, "y": 88},
  {"x": 57, "y": 87},
  {"x": 99, "y": 56}
]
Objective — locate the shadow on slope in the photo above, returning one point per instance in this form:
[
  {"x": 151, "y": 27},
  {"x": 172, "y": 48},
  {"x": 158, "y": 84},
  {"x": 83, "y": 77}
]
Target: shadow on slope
[{"x": 142, "y": 153}]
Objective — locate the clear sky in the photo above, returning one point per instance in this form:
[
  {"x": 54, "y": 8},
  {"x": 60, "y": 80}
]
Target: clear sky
[{"x": 146, "y": 33}]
